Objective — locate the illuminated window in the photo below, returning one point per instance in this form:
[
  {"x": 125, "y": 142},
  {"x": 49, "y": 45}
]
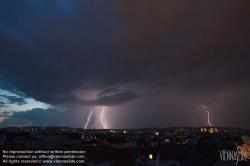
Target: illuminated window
[{"x": 150, "y": 156}]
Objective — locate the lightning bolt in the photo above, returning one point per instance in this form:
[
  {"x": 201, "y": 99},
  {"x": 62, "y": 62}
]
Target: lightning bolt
[
  {"x": 208, "y": 119},
  {"x": 103, "y": 119},
  {"x": 88, "y": 119}
]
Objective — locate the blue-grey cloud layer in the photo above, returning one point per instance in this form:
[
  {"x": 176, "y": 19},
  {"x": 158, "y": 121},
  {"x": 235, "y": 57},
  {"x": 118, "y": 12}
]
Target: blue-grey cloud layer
[
  {"x": 39, "y": 117},
  {"x": 12, "y": 100}
]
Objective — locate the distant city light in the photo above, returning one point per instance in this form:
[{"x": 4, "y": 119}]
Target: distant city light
[{"x": 150, "y": 156}]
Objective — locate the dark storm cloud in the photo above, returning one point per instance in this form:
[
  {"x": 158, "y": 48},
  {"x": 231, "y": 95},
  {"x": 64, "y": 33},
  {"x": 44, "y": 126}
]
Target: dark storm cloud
[
  {"x": 7, "y": 113},
  {"x": 108, "y": 91},
  {"x": 116, "y": 99},
  {"x": 68, "y": 58},
  {"x": 111, "y": 100},
  {"x": 2, "y": 102},
  {"x": 6, "y": 85},
  {"x": 187, "y": 34},
  {"x": 12, "y": 100},
  {"x": 198, "y": 49}
]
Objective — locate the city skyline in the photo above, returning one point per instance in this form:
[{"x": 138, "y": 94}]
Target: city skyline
[{"x": 125, "y": 64}]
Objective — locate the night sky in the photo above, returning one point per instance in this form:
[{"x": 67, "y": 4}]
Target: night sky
[{"x": 148, "y": 63}]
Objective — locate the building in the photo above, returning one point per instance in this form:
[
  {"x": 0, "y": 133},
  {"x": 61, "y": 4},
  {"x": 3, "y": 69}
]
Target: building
[
  {"x": 118, "y": 142},
  {"x": 2, "y": 137},
  {"x": 245, "y": 147}
]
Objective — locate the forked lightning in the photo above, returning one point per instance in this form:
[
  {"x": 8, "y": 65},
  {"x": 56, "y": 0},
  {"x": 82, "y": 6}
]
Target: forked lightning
[
  {"x": 88, "y": 119},
  {"x": 208, "y": 119},
  {"x": 103, "y": 119}
]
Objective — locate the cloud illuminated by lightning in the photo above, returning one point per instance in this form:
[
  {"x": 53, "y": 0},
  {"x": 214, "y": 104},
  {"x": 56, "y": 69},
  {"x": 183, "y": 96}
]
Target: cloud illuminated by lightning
[
  {"x": 88, "y": 119},
  {"x": 103, "y": 119},
  {"x": 208, "y": 119}
]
